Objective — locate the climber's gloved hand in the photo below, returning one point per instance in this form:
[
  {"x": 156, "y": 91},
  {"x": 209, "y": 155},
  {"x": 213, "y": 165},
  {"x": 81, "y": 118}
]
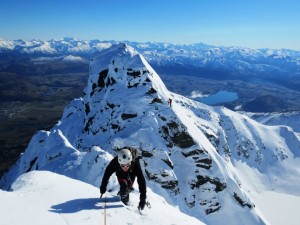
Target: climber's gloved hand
[
  {"x": 102, "y": 189},
  {"x": 142, "y": 202}
]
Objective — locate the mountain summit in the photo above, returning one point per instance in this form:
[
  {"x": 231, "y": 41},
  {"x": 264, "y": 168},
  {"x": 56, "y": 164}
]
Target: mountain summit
[{"x": 197, "y": 157}]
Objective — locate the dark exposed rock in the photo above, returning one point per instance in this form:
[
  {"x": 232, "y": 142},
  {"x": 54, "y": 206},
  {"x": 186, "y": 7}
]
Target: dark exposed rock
[
  {"x": 94, "y": 86},
  {"x": 94, "y": 132},
  {"x": 90, "y": 122},
  {"x": 183, "y": 140},
  {"x": 204, "y": 163},
  {"x": 145, "y": 71},
  {"x": 134, "y": 73},
  {"x": 219, "y": 186},
  {"x": 213, "y": 208},
  {"x": 158, "y": 100},
  {"x": 172, "y": 185},
  {"x": 164, "y": 174},
  {"x": 126, "y": 116},
  {"x": 195, "y": 152},
  {"x": 102, "y": 76},
  {"x": 110, "y": 105},
  {"x": 32, "y": 162},
  {"x": 173, "y": 125},
  {"x": 151, "y": 91},
  {"x": 190, "y": 204},
  {"x": 212, "y": 139},
  {"x": 200, "y": 181},
  {"x": 103, "y": 129},
  {"x": 176, "y": 135},
  {"x": 162, "y": 118},
  {"x": 115, "y": 126},
  {"x": 69, "y": 115},
  {"x": 56, "y": 156},
  {"x": 168, "y": 184},
  {"x": 146, "y": 154},
  {"x": 87, "y": 108},
  {"x": 134, "y": 85},
  {"x": 241, "y": 202},
  {"x": 150, "y": 175},
  {"x": 113, "y": 81},
  {"x": 168, "y": 162},
  {"x": 108, "y": 82},
  {"x": 201, "y": 158},
  {"x": 93, "y": 89}
]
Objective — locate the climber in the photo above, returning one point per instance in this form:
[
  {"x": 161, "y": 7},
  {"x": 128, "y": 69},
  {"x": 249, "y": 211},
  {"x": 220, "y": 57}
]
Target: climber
[
  {"x": 126, "y": 165},
  {"x": 170, "y": 102}
]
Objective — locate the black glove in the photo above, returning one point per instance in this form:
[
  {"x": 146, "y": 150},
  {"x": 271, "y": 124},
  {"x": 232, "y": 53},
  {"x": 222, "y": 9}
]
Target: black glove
[
  {"x": 142, "y": 203},
  {"x": 102, "y": 189}
]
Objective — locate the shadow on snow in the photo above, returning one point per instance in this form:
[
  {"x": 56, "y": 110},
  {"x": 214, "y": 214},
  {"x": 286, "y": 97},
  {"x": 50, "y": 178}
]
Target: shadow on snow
[{"x": 77, "y": 205}]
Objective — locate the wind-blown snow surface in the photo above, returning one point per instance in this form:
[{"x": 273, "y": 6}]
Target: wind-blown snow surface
[
  {"x": 42, "y": 197},
  {"x": 210, "y": 162},
  {"x": 291, "y": 119}
]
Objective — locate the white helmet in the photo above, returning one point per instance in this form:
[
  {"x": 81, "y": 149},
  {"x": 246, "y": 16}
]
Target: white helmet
[{"x": 124, "y": 157}]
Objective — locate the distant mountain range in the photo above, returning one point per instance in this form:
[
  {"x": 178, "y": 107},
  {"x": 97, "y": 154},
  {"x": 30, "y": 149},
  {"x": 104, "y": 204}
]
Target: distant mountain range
[
  {"x": 200, "y": 60},
  {"x": 280, "y": 69}
]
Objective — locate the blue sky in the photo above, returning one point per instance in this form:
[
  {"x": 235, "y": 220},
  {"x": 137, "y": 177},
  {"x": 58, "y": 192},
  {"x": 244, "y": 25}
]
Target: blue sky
[{"x": 245, "y": 23}]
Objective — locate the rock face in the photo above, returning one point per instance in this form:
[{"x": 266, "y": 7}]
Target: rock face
[{"x": 186, "y": 149}]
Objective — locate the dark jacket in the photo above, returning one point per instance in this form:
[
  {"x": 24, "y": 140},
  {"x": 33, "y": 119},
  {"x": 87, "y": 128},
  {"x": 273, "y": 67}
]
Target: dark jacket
[{"x": 134, "y": 171}]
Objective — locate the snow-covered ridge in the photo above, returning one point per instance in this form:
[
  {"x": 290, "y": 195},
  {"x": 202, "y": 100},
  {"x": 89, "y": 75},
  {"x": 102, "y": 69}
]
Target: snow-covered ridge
[
  {"x": 195, "y": 156},
  {"x": 68, "y": 58},
  {"x": 42, "y": 197}
]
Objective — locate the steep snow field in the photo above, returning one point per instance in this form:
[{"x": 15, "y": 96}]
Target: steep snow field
[
  {"x": 279, "y": 208},
  {"x": 277, "y": 199},
  {"x": 42, "y": 197}
]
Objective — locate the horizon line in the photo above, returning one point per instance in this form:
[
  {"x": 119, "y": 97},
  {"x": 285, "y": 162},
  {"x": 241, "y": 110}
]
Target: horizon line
[{"x": 147, "y": 42}]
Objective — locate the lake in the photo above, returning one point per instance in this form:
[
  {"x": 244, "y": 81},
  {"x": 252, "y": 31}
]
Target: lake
[{"x": 219, "y": 97}]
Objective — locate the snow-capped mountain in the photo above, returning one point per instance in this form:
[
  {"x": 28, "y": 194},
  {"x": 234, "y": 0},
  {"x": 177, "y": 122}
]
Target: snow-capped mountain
[
  {"x": 230, "y": 60},
  {"x": 201, "y": 159}
]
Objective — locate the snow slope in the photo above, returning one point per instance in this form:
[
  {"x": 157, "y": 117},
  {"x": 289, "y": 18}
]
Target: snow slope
[
  {"x": 42, "y": 197},
  {"x": 291, "y": 119},
  {"x": 198, "y": 158},
  {"x": 278, "y": 199}
]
